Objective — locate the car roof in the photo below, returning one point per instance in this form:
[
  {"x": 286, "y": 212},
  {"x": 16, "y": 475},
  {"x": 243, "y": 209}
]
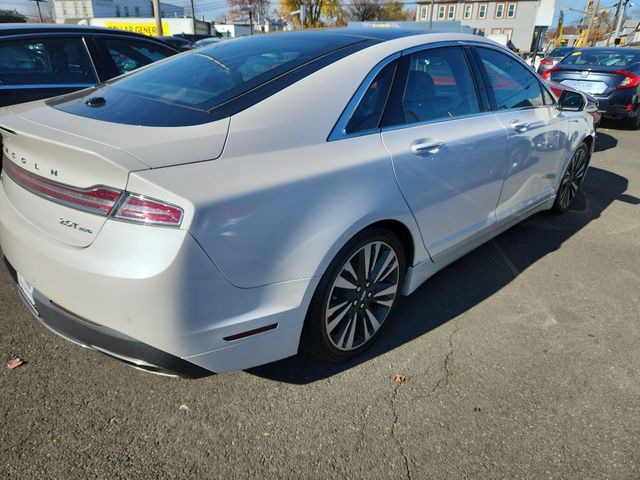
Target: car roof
[{"x": 24, "y": 28}]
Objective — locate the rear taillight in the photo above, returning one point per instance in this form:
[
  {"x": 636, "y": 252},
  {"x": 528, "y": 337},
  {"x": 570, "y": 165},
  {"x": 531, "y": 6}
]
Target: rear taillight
[
  {"x": 546, "y": 61},
  {"x": 100, "y": 200},
  {"x": 546, "y": 75},
  {"x": 630, "y": 80},
  {"x": 137, "y": 208}
]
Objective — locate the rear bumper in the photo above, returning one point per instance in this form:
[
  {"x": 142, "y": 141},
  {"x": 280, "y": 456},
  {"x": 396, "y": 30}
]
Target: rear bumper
[
  {"x": 153, "y": 291},
  {"x": 617, "y": 104},
  {"x": 104, "y": 339}
]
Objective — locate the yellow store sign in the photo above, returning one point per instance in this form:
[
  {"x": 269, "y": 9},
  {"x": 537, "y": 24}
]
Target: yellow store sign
[{"x": 144, "y": 28}]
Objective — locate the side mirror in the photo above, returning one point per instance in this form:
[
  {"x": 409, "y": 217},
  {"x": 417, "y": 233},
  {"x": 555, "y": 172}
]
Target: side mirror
[{"x": 572, "y": 101}]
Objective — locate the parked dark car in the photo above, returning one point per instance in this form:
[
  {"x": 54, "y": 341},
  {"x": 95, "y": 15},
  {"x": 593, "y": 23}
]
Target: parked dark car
[
  {"x": 181, "y": 43},
  {"x": 611, "y": 75},
  {"x": 553, "y": 57},
  {"x": 39, "y": 61}
]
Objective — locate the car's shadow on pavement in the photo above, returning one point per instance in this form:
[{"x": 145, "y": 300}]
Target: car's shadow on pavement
[
  {"x": 472, "y": 279},
  {"x": 604, "y": 142}
]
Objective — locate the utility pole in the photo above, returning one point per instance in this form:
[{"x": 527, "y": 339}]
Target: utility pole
[
  {"x": 156, "y": 14},
  {"x": 39, "y": 11},
  {"x": 193, "y": 18},
  {"x": 620, "y": 21},
  {"x": 613, "y": 24},
  {"x": 594, "y": 12},
  {"x": 431, "y": 15}
]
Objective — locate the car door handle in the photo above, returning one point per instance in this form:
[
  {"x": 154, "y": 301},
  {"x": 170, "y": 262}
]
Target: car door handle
[
  {"x": 427, "y": 148},
  {"x": 520, "y": 127}
]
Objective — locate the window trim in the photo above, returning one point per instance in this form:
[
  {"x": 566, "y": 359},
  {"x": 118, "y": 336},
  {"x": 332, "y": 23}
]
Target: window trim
[
  {"x": 443, "y": 9},
  {"x": 486, "y": 7},
  {"x": 423, "y": 9},
  {"x": 495, "y": 13},
  {"x": 515, "y": 10},
  {"x": 464, "y": 11},
  {"x": 449, "y": 15}
]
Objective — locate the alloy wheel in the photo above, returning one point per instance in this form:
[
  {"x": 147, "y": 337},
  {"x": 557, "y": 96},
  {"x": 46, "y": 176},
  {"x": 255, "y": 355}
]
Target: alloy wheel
[
  {"x": 572, "y": 179},
  {"x": 362, "y": 295}
]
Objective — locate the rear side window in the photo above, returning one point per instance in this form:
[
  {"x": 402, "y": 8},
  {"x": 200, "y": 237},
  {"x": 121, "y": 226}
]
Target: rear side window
[
  {"x": 369, "y": 112},
  {"x": 52, "y": 61},
  {"x": 439, "y": 85},
  {"x": 513, "y": 85},
  {"x": 127, "y": 55}
]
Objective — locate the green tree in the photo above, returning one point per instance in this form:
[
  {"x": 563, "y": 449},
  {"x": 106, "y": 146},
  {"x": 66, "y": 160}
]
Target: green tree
[
  {"x": 318, "y": 13},
  {"x": 395, "y": 11}
]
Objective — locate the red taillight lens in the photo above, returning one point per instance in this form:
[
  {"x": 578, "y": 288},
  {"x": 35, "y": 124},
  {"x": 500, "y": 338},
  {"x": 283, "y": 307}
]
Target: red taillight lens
[
  {"x": 137, "y": 208},
  {"x": 630, "y": 80},
  {"x": 98, "y": 199},
  {"x": 546, "y": 61},
  {"x": 546, "y": 75}
]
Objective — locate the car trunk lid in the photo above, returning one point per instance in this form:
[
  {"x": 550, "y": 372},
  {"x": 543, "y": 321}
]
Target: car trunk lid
[
  {"x": 35, "y": 155},
  {"x": 595, "y": 80}
]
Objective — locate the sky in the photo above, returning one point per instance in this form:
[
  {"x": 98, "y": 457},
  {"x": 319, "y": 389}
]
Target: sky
[{"x": 212, "y": 9}]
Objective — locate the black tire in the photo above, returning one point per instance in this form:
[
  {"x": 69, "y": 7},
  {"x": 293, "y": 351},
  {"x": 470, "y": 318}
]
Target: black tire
[
  {"x": 571, "y": 180},
  {"x": 633, "y": 123},
  {"x": 360, "y": 305}
]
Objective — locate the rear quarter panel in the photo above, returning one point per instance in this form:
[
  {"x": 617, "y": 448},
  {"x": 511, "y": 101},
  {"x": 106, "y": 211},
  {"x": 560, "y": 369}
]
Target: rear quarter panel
[{"x": 282, "y": 200}]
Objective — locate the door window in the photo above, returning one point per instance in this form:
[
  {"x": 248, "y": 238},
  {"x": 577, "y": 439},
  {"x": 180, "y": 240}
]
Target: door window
[
  {"x": 513, "y": 84},
  {"x": 127, "y": 55},
  {"x": 439, "y": 85},
  {"x": 52, "y": 61}
]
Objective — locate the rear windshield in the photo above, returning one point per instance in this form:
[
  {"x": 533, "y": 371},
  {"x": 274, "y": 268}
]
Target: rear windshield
[
  {"x": 607, "y": 58},
  {"x": 561, "y": 52},
  {"x": 202, "y": 80}
]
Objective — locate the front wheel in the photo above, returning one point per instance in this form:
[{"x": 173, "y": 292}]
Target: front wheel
[
  {"x": 572, "y": 179},
  {"x": 355, "y": 297}
]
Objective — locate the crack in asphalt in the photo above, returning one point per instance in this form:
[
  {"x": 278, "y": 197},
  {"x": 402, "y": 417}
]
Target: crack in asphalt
[
  {"x": 393, "y": 430},
  {"x": 444, "y": 380}
]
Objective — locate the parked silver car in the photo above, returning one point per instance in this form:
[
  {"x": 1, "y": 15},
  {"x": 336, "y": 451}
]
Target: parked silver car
[{"x": 219, "y": 208}]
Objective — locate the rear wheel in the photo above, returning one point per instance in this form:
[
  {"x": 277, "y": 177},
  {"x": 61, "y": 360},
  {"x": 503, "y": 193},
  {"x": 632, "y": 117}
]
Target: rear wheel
[
  {"x": 355, "y": 297},
  {"x": 633, "y": 123},
  {"x": 572, "y": 179}
]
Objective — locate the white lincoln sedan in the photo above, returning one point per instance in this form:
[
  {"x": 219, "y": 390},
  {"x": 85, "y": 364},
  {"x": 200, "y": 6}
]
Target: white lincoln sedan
[{"x": 221, "y": 208}]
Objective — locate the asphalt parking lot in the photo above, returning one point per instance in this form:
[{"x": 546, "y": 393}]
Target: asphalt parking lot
[{"x": 520, "y": 361}]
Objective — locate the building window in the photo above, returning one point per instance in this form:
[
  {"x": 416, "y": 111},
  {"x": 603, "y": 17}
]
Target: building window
[
  {"x": 511, "y": 10},
  {"x": 117, "y": 10},
  {"x": 441, "y": 11},
  {"x": 496, "y": 31},
  {"x": 126, "y": 11},
  {"x": 451, "y": 14},
  {"x": 137, "y": 10},
  {"x": 508, "y": 32},
  {"x": 500, "y": 10},
  {"x": 468, "y": 11},
  {"x": 424, "y": 10},
  {"x": 482, "y": 11}
]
